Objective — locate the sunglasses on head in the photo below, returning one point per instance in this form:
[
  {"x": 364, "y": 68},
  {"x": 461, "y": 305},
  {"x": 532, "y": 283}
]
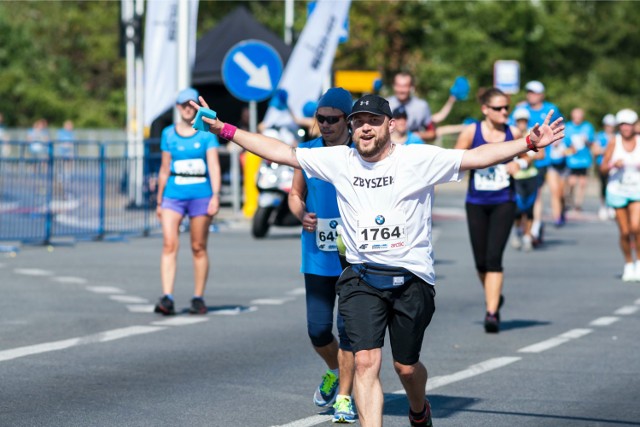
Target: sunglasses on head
[
  {"x": 332, "y": 120},
  {"x": 499, "y": 107}
]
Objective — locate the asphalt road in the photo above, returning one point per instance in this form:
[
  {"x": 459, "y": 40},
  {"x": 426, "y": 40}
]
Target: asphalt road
[{"x": 80, "y": 347}]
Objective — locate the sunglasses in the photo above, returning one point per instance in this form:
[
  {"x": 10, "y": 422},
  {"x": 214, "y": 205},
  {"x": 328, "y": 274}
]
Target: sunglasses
[
  {"x": 332, "y": 120},
  {"x": 499, "y": 108},
  {"x": 186, "y": 104}
]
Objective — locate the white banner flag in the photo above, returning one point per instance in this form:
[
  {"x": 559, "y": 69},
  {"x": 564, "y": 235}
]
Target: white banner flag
[
  {"x": 161, "y": 56},
  {"x": 312, "y": 57}
]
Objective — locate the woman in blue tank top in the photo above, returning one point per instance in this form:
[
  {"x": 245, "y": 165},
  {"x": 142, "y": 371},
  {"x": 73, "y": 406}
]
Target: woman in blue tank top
[
  {"x": 490, "y": 202},
  {"x": 314, "y": 202}
]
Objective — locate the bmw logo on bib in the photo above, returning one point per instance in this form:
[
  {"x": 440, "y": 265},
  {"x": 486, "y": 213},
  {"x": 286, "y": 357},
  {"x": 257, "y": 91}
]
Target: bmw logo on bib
[
  {"x": 333, "y": 223},
  {"x": 380, "y": 220}
]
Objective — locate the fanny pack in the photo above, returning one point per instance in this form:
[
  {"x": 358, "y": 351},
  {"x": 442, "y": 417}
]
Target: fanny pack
[{"x": 383, "y": 277}]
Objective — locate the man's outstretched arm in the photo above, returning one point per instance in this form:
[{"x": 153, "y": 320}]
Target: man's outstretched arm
[{"x": 263, "y": 146}]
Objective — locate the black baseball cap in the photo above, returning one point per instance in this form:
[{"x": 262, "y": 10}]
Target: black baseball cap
[
  {"x": 373, "y": 104},
  {"x": 400, "y": 113}
]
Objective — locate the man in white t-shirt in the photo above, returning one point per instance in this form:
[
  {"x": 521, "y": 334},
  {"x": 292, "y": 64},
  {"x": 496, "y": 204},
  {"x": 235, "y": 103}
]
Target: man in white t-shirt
[{"x": 385, "y": 192}]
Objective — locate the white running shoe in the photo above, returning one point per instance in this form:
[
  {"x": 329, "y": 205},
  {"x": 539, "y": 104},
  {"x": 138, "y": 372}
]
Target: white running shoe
[
  {"x": 527, "y": 243},
  {"x": 637, "y": 270},
  {"x": 603, "y": 214},
  {"x": 629, "y": 273},
  {"x": 516, "y": 243}
]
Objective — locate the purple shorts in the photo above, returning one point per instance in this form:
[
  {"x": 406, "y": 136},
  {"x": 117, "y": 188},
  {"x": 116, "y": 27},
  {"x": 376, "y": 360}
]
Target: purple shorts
[{"x": 193, "y": 207}]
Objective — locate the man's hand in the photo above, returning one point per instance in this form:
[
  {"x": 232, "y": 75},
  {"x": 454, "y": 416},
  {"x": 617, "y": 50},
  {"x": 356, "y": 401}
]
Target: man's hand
[
  {"x": 547, "y": 134},
  {"x": 309, "y": 221}
]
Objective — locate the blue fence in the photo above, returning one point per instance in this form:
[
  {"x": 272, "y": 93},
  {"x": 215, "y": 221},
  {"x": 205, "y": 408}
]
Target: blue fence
[{"x": 80, "y": 189}]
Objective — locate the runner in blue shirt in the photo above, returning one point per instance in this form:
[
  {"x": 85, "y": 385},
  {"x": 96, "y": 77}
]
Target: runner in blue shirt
[
  {"x": 579, "y": 135},
  {"x": 314, "y": 202},
  {"x": 538, "y": 109},
  {"x": 188, "y": 184}
]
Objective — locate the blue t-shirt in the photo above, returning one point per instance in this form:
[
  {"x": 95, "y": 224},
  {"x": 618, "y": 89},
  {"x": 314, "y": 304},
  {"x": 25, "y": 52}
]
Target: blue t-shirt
[
  {"x": 580, "y": 138},
  {"x": 538, "y": 116},
  {"x": 602, "y": 139},
  {"x": 321, "y": 200},
  {"x": 189, "y": 173},
  {"x": 413, "y": 138},
  {"x": 492, "y": 185}
]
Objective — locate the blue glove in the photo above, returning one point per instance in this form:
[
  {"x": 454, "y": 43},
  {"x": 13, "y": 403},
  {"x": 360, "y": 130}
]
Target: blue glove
[
  {"x": 198, "y": 124},
  {"x": 460, "y": 88},
  {"x": 377, "y": 85},
  {"x": 309, "y": 109}
]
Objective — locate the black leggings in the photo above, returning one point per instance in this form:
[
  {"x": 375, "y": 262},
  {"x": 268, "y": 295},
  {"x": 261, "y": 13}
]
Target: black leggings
[{"x": 489, "y": 228}]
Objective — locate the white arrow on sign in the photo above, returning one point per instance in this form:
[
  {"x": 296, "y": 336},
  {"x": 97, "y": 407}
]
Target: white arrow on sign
[{"x": 258, "y": 77}]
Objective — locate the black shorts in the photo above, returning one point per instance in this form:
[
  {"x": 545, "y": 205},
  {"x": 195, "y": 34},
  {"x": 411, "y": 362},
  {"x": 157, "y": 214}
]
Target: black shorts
[
  {"x": 578, "y": 172},
  {"x": 368, "y": 311}
]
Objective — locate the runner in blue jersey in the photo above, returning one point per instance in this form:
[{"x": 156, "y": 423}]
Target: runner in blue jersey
[
  {"x": 401, "y": 134},
  {"x": 602, "y": 139},
  {"x": 538, "y": 109},
  {"x": 490, "y": 202},
  {"x": 188, "y": 184},
  {"x": 579, "y": 136},
  {"x": 314, "y": 202}
]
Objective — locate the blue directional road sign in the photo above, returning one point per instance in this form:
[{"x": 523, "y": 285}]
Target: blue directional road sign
[{"x": 251, "y": 70}]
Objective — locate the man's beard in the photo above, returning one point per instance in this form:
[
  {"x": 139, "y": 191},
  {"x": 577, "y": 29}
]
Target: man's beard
[{"x": 380, "y": 142}]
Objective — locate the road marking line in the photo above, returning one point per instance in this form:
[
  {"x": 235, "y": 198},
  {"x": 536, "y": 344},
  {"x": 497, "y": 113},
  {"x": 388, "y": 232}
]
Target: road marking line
[
  {"x": 627, "y": 309},
  {"x": 180, "y": 321},
  {"x": 70, "y": 279},
  {"x": 105, "y": 290},
  {"x": 433, "y": 383},
  {"x": 471, "y": 371},
  {"x": 141, "y": 308},
  {"x": 556, "y": 341},
  {"x": 114, "y": 334},
  {"x": 128, "y": 299},
  {"x": 297, "y": 291},
  {"x": 271, "y": 301},
  {"x": 604, "y": 321},
  {"x": 233, "y": 311},
  {"x": 33, "y": 272}
]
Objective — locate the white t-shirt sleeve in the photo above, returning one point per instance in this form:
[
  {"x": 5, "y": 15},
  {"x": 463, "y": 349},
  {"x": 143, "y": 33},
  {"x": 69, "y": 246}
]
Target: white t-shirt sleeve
[
  {"x": 324, "y": 163},
  {"x": 435, "y": 165}
]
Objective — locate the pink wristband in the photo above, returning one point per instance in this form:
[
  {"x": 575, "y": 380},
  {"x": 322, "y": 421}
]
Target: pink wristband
[{"x": 228, "y": 131}]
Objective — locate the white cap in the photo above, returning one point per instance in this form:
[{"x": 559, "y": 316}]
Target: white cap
[
  {"x": 609, "y": 120},
  {"x": 534, "y": 86},
  {"x": 626, "y": 116},
  {"x": 521, "y": 114}
]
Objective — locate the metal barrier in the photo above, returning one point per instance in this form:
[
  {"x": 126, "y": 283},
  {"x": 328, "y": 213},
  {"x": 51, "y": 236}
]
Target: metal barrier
[{"x": 75, "y": 189}]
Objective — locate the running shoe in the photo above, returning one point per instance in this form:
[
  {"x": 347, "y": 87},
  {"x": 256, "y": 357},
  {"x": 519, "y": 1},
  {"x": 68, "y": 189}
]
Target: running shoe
[
  {"x": 165, "y": 306},
  {"x": 492, "y": 323},
  {"x": 637, "y": 270},
  {"x": 603, "y": 215},
  {"x": 516, "y": 242},
  {"x": 527, "y": 243},
  {"x": 343, "y": 411},
  {"x": 327, "y": 390},
  {"x": 629, "y": 273},
  {"x": 423, "y": 419},
  {"x": 198, "y": 306}
]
